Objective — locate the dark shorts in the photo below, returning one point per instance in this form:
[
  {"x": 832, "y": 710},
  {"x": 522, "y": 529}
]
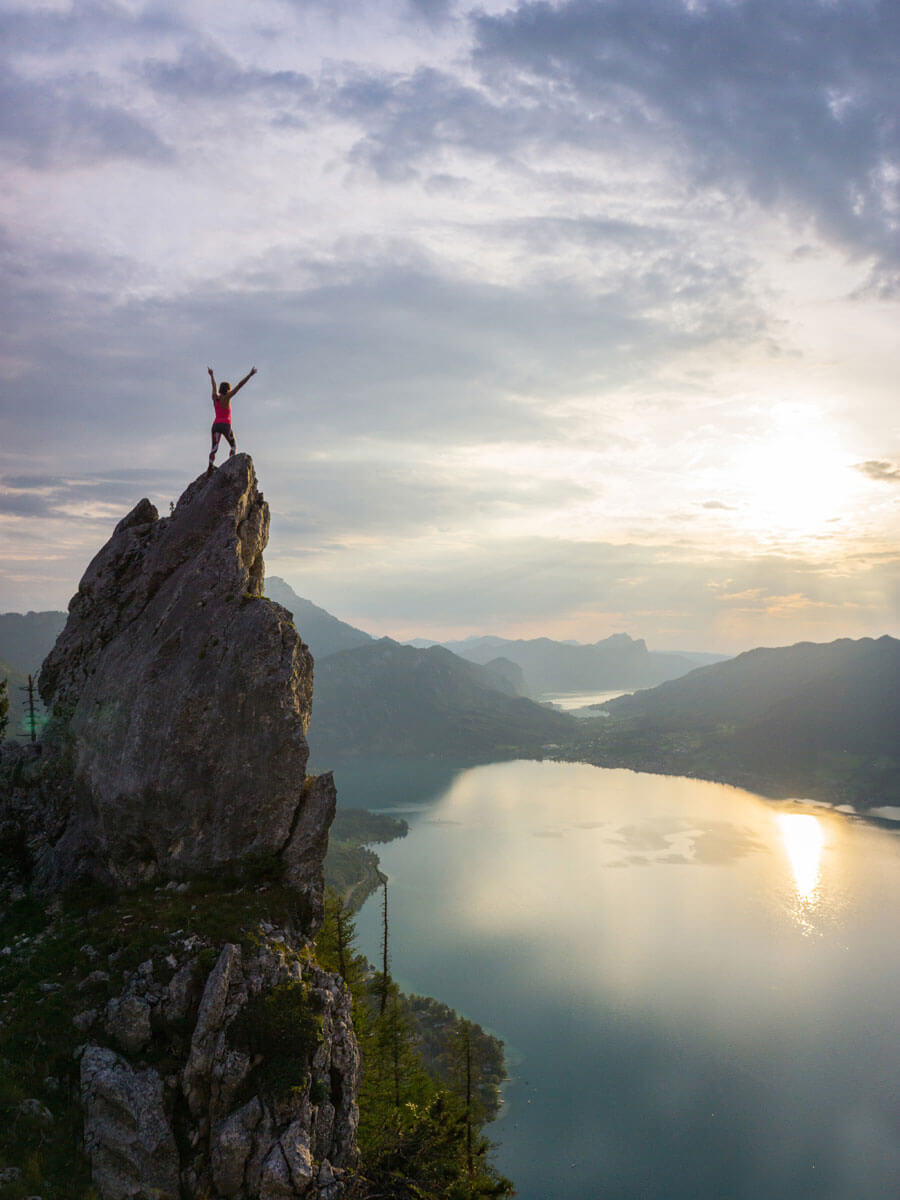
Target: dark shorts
[{"x": 221, "y": 427}]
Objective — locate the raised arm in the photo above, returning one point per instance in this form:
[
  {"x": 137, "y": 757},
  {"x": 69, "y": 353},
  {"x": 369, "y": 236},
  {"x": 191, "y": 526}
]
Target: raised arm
[
  {"x": 249, "y": 375},
  {"x": 213, "y": 381}
]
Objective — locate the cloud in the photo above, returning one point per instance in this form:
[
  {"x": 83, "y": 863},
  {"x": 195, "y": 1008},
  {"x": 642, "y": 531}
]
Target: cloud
[
  {"x": 779, "y": 101},
  {"x": 791, "y": 101},
  {"x": 380, "y": 348},
  {"x": 435, "y": 12},
  {"x": 666, "y": 593},
  {"x": 880, "y": 469},
  {"x": 52, "y": 31},
  {"x": 203, "y": 71},
  {"x": 510, "y": 278},
  {"x": 23, "y": 504},
  {"x": 30, "y": 483},
  {"x": 356, "y": 500},
  {"x": 410, "y": 119},
  {"x": 81, "y": 495},
  {"x": 50, "y": 125}
]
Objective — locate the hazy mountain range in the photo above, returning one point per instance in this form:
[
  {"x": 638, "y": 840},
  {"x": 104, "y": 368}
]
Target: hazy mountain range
[
  {"x": 378, "y": 697},
  {"x": 398, "y": 701},
  {"x": 810, "y": 720},
  {"x": 546, "y": 665},
  {"x": 371, "y": 697},
  {"x": 619, "y": 661},
  {"x": 26, "y": 638}
]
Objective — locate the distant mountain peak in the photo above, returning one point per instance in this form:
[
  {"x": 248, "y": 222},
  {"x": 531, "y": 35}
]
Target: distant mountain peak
[{"x": 548, "y": 666}]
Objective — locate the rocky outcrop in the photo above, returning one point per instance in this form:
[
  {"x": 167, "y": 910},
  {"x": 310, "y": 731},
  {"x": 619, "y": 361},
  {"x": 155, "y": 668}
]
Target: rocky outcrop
[
  {"x": 180, "y": 699},
  {"x": 262, "y": 1090},
  {"x": 225, "y": 1064}
]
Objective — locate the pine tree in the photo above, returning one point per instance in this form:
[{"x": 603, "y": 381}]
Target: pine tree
[
  {"x": 336, "y": 943},
  {"x": 4, "y": 706},
  {"x": 343, "y": 934},
  {"x": 385, "y": 974},
  {"x": 30, "y": 714},
  {"x": 465, "y": 1034},
  {"x": 420, "y": 1138}
]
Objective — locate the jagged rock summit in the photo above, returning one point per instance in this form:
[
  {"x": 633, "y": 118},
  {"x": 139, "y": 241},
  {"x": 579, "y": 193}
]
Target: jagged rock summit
[{"x": 180, "y": 699}]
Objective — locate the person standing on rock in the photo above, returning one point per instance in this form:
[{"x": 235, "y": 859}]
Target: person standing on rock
[{"x": 222, "y": 404}]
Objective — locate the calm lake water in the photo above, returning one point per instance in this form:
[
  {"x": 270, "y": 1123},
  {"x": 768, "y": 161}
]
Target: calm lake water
[
  {"x": 698, "y": 989},
  {"x": 576, "y": 702}
]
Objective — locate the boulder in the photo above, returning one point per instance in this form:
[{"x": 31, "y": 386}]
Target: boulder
[
  {"x": 128, "y": 1022},
  {"x": 295, "y": 1147},
  {"x": 232, "y": 1146},
  {"x": 127, "y": 1135}
]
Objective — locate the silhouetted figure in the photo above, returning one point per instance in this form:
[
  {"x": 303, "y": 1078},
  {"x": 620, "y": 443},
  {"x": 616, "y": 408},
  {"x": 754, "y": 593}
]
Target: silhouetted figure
[{"x": 222, "y": 424}]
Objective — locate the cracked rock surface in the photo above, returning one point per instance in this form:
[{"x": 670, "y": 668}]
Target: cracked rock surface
[{"x": 241, "y": 1136}]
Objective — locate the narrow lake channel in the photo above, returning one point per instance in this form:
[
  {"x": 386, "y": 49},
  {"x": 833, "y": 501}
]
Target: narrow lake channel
[{"x": 697, "y": 988}]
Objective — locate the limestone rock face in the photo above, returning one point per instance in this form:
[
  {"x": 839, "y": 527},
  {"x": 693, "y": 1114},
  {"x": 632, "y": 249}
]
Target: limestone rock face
[
  {"x": 244, "y": 1133},
  {"x": 180, "y": 699}
]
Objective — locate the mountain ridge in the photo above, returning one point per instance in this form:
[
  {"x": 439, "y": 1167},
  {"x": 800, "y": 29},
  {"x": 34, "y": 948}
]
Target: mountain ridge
[
  {"x": 814, "y": 719},
  {"x": 394, "y": 700},
  {"x": 26, "y": 638},
  {"x": 323, "y": 632}
]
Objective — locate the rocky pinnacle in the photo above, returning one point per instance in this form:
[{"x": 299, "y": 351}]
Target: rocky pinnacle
[{"x": 180, "y": 699}]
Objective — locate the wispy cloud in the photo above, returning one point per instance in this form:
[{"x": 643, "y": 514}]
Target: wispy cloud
[{"x": 882, "y": 470}]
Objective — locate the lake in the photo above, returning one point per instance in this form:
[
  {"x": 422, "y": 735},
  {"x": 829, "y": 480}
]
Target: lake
[
  {"x": 579, "y": 704},
  {"x": 697, "y": 988}
]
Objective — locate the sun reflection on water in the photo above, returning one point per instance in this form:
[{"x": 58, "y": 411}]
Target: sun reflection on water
[{"x": 804, "y": 840}]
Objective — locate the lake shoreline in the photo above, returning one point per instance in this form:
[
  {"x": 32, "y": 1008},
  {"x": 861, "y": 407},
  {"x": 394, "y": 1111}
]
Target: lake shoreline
[{"x": 744, "y": 779}]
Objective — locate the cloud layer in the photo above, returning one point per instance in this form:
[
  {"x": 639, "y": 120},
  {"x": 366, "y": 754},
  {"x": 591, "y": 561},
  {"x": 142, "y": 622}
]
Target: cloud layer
[{"x": 534, "y": 288}]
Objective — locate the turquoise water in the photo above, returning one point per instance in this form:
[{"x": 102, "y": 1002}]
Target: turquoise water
[{"x": 697, "y": 988}]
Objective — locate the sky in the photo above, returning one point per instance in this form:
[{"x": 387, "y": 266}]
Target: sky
[{"x": 570, "y": 318}]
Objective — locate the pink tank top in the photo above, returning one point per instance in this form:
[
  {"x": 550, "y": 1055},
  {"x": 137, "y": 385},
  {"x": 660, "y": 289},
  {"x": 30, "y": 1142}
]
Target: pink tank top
[{"x": 223, "y": 409}]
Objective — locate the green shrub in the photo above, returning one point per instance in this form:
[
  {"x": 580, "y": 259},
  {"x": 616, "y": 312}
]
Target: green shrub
[
  {"x": 207, "y": 959},
  {"x": 283, "y": 1027}
]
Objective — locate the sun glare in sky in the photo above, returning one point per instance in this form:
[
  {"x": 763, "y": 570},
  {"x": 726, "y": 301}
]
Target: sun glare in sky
[{"x": 795, "y": 479}]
